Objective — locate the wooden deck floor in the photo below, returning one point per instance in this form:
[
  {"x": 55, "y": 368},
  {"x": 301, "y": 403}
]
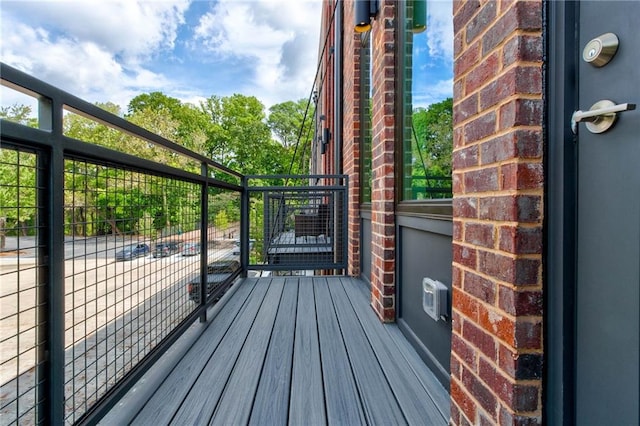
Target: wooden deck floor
[{"x": 300, "y": 351}]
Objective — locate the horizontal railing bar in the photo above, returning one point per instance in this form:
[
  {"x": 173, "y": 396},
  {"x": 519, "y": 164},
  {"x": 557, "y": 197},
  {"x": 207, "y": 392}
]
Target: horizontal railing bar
[
  {"x": 99, "y": 154},
  {"x": 325, "y": 189},
  {"x": 32, "y": 86}
]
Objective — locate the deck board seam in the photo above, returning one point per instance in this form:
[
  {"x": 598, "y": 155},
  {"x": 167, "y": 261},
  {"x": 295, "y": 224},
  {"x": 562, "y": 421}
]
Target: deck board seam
[{"x": 388, "y": 363}]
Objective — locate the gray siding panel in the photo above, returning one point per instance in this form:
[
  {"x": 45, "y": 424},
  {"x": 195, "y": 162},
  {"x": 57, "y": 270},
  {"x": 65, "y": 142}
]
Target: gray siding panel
[{"x": 425, "y": 254}]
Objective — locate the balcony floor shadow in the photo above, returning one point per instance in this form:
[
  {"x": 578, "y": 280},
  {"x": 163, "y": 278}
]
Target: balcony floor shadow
[{"x": 292, "y": 350}]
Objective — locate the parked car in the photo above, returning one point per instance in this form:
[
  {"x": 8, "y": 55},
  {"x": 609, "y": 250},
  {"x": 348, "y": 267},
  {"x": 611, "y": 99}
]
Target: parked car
[
  {"x": 236, "y": 246},
  {"x": 167, "y": 248},
  {"x": 132, "y": 251},
  {"x": 218, "y": 273},
  {"x": 190, "y": 249}
]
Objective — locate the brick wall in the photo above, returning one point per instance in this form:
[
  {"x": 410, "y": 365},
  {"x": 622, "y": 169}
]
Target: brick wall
[
  {"x": 351, "y": 133},
  {"x": 496, "y": 361},
  {"x": 383, "y": 165}
]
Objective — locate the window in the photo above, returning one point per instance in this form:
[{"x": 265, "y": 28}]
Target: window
[
  {"x": 427, "y": 133},
  {"x": 365, "y": 117}
]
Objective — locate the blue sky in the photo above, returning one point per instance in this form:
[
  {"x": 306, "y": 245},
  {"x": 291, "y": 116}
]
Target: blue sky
[{"x": 113, "y": 50}]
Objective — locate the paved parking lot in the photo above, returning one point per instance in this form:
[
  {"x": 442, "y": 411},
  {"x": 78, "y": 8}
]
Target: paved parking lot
[{"x": 111, "y": 308}]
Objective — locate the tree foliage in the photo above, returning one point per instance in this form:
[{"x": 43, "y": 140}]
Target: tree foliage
[
  {"x": 235, "y": 131},
  {"x": 431, "y": 148}
]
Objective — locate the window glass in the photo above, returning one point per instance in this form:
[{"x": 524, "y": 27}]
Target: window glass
[
  {"x": 427, "y": 140},
  {"x": 365, "y": 117}
]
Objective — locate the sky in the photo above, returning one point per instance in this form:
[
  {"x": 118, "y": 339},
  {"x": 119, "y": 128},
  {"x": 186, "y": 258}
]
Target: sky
[{"x": 113, "y": 50}]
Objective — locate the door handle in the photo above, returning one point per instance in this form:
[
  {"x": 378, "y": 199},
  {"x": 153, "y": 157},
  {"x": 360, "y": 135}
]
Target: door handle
[{"x": 600, "y": 117}]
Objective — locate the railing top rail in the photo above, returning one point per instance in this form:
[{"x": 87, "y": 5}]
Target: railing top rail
[{"x": 24, "y": 83}]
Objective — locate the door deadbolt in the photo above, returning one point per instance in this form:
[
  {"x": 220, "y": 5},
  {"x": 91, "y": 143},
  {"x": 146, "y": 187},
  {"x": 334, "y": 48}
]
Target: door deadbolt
[
  {"x": 600, "y": 117},
  {"x": 599, "y": 51}
]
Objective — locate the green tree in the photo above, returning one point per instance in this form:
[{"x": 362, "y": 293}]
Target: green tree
[
  {"x": 431, "y": 148},
  {"x": 239, "y": 136}
]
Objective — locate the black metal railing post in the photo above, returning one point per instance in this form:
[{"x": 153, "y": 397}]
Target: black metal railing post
[
  {"x": 55, "y": 279},
  {"x": 244, "y": 227},
  {"x": 204, "y": 240}
]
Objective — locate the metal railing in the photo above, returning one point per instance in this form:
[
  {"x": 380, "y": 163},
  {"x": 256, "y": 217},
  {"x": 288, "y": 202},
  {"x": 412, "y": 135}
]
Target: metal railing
[
  {"x": 298, "y": 224},
  {"x": 111, "y": 246},
  {"x": 103, "y": 254}
]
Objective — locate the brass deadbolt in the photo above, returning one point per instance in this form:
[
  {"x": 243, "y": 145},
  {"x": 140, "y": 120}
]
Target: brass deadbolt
[{"x": 599, "y": 51}]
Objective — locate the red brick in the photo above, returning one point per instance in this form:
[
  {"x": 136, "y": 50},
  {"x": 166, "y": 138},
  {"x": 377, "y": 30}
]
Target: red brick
[
  {"x": 465, "y": 207},
  {"x": 480, "y": 339},
  {"x": 464, "y": 14},
  {"x": 521, "y": 112},
  {"x": 482, "y": 74},
  {"x": 455, "y": 366},
  {"x": 520, "y": 303},
  {"x": 463, "y": 351},
  {"x": 465, "y": 256},
  {"x": 513, "y": 270},
  {"x": 456, "y": 322},
  {"x": 515, "y": 208},
  {"x": 479, "y": 287},
  {"x": 523, "y": 15},
  {"x": 465, "y": 109},
  {"x": 482, "y": 180},
  {"x": 508, "y": 418},
  {"x": 516, "y": 176},
  {"x": 480, "y": 392},
  {"x": 498, "y": 324},
  {"x": 467, "y": 60},
  {"x": 522, "y": 48},
  {"x": 480, "y": 128},
  {"x": 465, "y": 305},
  {"x": 481, "y": 21},
  {"x": 458, "y": 230},
  {"x": 457, "y": 183},
  {"x": 517, "y": 396},
  {"x": 479, "y": 234},
  {"x": 521, "y": 240},
  {"x": 528, "y": 335},
  {"x": 518, "y": 144},
  {"x": 526, "y": 366},
  {"x": 464, "y": 158},
  {"x": 460, "y": 397}
]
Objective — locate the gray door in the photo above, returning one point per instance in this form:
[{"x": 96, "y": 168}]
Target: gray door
[{"x": 608, "y": 225}]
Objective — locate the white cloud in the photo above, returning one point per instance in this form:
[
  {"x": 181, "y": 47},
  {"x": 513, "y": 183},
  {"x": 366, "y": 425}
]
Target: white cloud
[
  {"x": 93, "y": 49},
  {"x": 432, "y": 92},
  {"x": 131, "y": 29},
  {"x": 440, "y": 29},
  {"x": 279, "y": 37}
]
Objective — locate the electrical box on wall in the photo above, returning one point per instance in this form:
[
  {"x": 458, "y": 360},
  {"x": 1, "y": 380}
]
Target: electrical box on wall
[{"x": 434, "y": 298}]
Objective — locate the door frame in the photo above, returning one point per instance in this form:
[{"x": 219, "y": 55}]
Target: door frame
[{"x": 561, "y": 97}]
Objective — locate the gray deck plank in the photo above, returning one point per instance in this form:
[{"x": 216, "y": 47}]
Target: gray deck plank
[
  {"x": 272, "y": 398},
  {"x": 298, "y": 351},
  {"x": 434, "y": 388},
  {"x": 343, "y": 399},
  {"x": 307, "y": 394},
  {"x": 163, "y": 404},
  {"x": 235, "y": 404},
  {"x": 378, "y": 403},
  {"x": 416, "y": 404},
  {"x": 203, "y": 397}
]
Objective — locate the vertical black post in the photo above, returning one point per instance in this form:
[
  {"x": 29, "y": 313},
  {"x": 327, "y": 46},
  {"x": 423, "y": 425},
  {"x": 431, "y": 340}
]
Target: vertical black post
[
  {"x": 204, "y": 239},
  {"x": 244, "y": 227},
  {"x": 54, "y": 230}
]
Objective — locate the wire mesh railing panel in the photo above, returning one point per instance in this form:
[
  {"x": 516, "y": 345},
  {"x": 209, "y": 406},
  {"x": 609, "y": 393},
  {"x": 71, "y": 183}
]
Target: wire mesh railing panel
[
  {"x": 299, "y": 228},
  {"x": 22, "y": 286},
  {"x": 126, "y": 272}
]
